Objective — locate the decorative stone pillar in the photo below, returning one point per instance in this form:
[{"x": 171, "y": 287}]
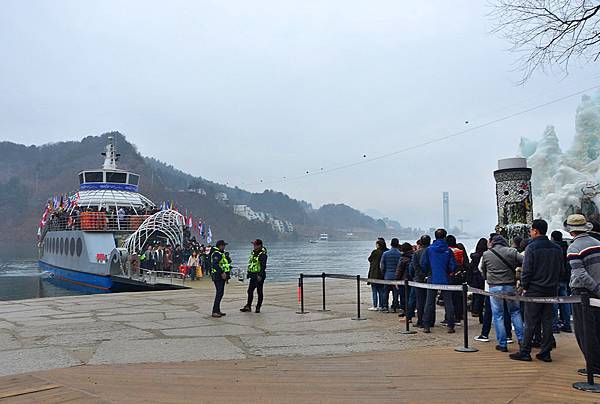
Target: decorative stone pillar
[{"x": 514, "y": 199}]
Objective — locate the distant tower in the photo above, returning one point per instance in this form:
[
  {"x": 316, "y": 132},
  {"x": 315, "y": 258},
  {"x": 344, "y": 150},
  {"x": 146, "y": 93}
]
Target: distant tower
[
  {"x": 513, "y": 194},
  {"x": 446, "y": 211}
]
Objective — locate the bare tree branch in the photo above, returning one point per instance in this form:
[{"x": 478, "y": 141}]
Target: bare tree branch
[{"x": 549, "y": 33}]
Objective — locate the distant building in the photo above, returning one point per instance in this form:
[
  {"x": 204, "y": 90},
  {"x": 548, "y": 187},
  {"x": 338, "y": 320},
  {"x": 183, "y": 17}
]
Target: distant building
[
  {"x": 200, "y": 191},
  {"x": 446, "y": 202},
  {"x": 222, "y": 197},
  {"x": 279, "y": 226}
]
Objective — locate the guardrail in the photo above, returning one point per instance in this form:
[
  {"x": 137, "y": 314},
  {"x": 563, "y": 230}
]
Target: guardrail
[
  {"x": 152, "y": 274},
  {"x": 96, "y": 221},
  {"x": 586, "y": 302}
]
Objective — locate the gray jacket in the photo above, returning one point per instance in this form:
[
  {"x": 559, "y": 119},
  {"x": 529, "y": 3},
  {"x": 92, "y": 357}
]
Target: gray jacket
[
  {"x": 584, "y": 258},
  {"x": 494, "y": 270}
]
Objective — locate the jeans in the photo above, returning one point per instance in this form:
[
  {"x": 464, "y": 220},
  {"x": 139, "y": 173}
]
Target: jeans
[
  {"x": 377, "y": 295},
  {"x": 429, "y": 314},
  {"x": 412, "y": 302},
  {"x": 487, "y": 319},
  {"x": 421, "y": 297},
  {"x": 220, "y": 291},
  {"x": 565, "y": 310},
  {"x": 395, "y": 295},
  {"x": 457, "y": 302},
  {"x": 255, "y": 284},
  {"x": 498, "y": 313}
]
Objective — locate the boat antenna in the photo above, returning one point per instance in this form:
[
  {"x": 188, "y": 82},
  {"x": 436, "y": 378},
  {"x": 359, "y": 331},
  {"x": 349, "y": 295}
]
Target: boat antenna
[{"x": 110, "y": 155}]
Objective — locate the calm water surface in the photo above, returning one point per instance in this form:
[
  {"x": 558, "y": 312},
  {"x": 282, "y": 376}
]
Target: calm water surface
[{"x": 21, "y": 279}]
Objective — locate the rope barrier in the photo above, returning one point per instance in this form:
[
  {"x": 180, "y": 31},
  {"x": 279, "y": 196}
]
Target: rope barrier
[
  {"x": 548, "y": 300},
  {"x": 455, "y": 288}
]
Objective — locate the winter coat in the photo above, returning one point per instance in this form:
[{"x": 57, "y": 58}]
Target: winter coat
[
  {"x": 402, "y": 270},
  {"x": 584, "y": 259},
  {"x": 438, "y": 260},
  {"x": 389, "y": 263},
  {"x": 418, "y": 274},
  {"x": 542, "y": 266},
  {"x": 494, "y": 270},
  {"x": 374, "y": 261}
]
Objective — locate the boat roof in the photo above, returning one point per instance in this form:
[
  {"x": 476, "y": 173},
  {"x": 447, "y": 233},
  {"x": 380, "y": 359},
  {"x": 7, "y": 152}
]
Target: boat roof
[{"x": 110, "y": 198}]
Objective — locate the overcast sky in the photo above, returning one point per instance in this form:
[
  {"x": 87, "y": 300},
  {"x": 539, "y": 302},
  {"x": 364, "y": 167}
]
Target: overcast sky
[{"x": 239, "y": 91}]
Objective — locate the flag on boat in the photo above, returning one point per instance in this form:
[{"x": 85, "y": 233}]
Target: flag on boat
[
  {"x": 209, "y": 236},
  {"x": 200, "y": 227},
  {"x": 189, "y": 222}
]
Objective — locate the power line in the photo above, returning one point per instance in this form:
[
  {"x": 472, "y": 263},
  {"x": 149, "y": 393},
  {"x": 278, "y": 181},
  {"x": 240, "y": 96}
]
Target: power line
[{"x": 366, "y": 159}]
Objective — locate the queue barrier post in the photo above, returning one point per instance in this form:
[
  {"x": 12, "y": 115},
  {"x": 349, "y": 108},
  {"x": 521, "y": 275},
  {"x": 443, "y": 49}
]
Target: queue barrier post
[
  {"x": 406, "y": 319},
  {"x": 465, "y": 347},
  {"x": 358, "y": 317},
  {"x": 301, "y": 294},
  {"x": 589, "y": 386},
  {"x": 323, "y": 276}
]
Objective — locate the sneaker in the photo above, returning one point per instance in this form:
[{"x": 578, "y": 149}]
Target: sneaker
[
  {"x": 427, "y": 330},
  {"x": 509, "y": 341},
  {"x": 246, "y": 309},
  {"x": 372, "y": 309},
  {"x": 257, "y": 309},
  {"x": 384, "y": 310},
  {"x": 457, "y": 324},
  {"x": 451, "y": 330},
  {"x": 501, "y": 348},
  {"x": 444, "y": 322},
  {"x": 520, "y": 356},
  {"x": 544, "y": 357},
  {"x": 216, "y": 315},
  {"x": 222, "y": 314},
  {"x": 567, "y": 330},
  {"x": 556, "y": 331},
  {"x": 583, "y": 372},
  {"x": 482, "y": 338}
]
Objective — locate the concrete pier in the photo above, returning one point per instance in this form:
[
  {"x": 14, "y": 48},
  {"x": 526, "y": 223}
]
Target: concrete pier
[{"x": 174, "y": 332}]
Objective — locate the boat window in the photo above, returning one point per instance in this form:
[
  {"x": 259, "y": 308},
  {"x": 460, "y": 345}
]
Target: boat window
[
  {"x": 94, "y": 176},
  {"x": 119, "y": 178},
  {"x": 81, "y": 178},
  {"x": 72, "y": 246},
  {"x": 134, "y": 179},
  {"x": 79, "y": 247},
  {"x": 62, "y": 244}
]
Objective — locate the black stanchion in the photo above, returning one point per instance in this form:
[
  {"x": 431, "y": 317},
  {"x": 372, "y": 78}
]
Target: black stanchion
[
  {"x": 358, "y": 317},
  {"x": 323, "y": 276},
  {"x": 301, "y": 294},
  {"x": 408, "y": 330},
  {"x": 589, "y": 385},
  {"x": 465, "y": 347}
]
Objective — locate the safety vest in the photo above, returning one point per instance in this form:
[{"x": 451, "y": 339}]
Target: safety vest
[
  {"x": 223, "y": 263},
  {"x": 254, "y": 262}
]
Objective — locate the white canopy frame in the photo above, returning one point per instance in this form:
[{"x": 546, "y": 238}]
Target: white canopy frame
[
  {"x": 113, "y": 199},
  {"x": 168, "y": 223}
]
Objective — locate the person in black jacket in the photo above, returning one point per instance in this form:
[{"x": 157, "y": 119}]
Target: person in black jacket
[
  {"x": 562, "y": 322},
  {"x": 542, "y": 266},
  {"x": 418, "y": 275}
]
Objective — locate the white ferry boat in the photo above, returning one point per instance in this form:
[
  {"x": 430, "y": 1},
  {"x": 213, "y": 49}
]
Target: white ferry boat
[{"x": 85, "y": 243}]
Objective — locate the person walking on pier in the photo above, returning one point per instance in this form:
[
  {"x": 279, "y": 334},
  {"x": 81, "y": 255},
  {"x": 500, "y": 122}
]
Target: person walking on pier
[
  {"x": 498, "y": 266},
  {"x": 584, "y": 258},
  {"x": 257, "y": 272},
  {"x": 438, "y": 262},
  {"x": 419, "y": 275},
  {"x": 220, "y": 270},
  {"x": 542, "y": 266}
]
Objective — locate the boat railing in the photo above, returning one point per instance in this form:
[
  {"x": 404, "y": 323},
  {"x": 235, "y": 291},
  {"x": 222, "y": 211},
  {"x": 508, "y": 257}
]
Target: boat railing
[
  {"x": 96, "y": 221},
  {"x": 151, "y": 276}
]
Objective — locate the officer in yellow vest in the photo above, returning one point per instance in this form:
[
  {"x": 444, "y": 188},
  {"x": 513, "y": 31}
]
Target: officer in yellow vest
[
  {"x": 257, "y": 267},
  {"x": 220, "y": 272}
]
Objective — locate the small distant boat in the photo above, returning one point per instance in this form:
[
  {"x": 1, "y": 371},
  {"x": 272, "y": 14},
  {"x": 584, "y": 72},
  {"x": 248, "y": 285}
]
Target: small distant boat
[{"x": 324, "y": 237}]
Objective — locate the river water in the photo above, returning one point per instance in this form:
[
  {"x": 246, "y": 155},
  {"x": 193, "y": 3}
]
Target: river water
[{"x": 21, "y": 278}]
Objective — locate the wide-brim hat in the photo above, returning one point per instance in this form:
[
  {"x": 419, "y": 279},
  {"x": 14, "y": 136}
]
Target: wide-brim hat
[{"x": 577, "y": 223}]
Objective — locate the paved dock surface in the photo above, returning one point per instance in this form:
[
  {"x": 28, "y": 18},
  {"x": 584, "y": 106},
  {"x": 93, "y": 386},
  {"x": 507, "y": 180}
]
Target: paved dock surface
[{"x": 165, "y": 347}]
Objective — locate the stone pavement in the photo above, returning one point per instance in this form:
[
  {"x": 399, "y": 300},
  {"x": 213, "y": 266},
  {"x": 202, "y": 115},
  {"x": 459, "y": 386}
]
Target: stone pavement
[{"x": 175, "y": 326}]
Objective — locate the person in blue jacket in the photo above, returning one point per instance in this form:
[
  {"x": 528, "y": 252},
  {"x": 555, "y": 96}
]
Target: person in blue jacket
[
  {"x": 438, "y": 263},
  {"x": 388, "y": 265}
]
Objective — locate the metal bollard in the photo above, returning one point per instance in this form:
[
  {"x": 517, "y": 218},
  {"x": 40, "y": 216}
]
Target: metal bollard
[
  {"x": 408, "y": 330},
  {"x": 323, "y": 276},
  {"x": 358, "y": 317},
  {"x": 589, "y": 386},
  {"x": 465, "y": 347},
  {"x": 301, "y": 293}
]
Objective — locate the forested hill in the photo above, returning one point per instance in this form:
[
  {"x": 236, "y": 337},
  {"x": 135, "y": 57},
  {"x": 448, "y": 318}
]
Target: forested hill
[{"x": 29, "y": 175}]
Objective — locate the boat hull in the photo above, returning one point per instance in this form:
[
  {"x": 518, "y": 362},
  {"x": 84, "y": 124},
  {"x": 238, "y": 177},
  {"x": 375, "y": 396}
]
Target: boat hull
[{"x": 83, "y": 281}]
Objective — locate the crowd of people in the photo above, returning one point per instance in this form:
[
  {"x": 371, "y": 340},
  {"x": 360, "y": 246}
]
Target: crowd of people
[
  {"x": 537, "y": 266},
  {"x": 98, "y": 218}
]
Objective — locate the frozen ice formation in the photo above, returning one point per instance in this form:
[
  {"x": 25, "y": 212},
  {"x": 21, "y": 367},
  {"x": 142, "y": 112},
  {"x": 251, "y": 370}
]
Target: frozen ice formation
[{"x": 567, "y": 182}]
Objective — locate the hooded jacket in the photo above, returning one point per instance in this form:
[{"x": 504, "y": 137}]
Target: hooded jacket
[
  {"x": 438, "y": 260},
  {"x": 402, "y": 270},
  {"x": 374, "y": 260},
  {"x": 494, "y": 270}
]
